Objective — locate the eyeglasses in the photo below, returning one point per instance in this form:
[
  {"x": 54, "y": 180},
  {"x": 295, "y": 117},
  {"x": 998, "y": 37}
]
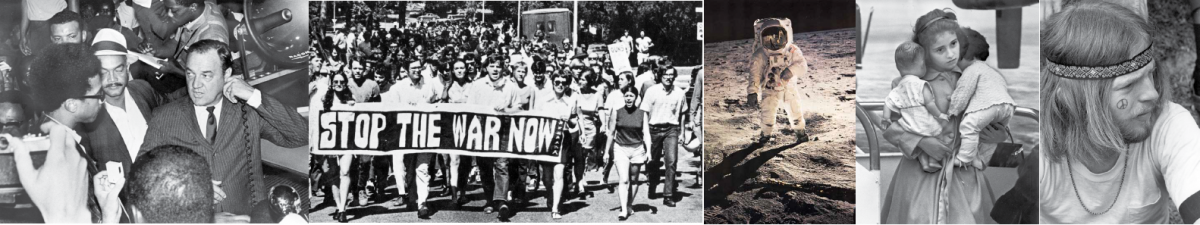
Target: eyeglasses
[{"x": 339, "y": 82}]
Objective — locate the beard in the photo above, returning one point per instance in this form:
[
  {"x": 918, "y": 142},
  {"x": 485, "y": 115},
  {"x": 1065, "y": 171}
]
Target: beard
[{"x": 1138, "y": 129}]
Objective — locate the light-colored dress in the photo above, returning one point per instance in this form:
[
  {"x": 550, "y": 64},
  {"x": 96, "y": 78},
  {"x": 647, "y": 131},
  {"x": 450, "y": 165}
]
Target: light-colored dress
[
  {"x": 908, "y": 99},
  {"x": 913, "y": 194}
]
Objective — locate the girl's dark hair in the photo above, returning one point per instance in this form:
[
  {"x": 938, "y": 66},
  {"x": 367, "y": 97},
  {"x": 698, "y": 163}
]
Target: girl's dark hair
[
  {"x": 973, "y": 44},
  {"x": 630, "y": 89},
  {"x": 590, "y": 81},
  {"x": 932, "y": 23}
]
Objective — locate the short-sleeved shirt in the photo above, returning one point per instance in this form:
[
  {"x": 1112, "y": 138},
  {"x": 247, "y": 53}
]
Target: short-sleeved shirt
[
  {"x": 405, "y": 92},
  {"x": 590, "y": 103},
  {"x": 629, "y": 126},
  {"x": 1161, "y": 171},
  {"x": 456, "y": 93},
  {"x": 643, "y": 43},
  {"x": 664, "y": 107},
  {"x": 126, "y": 15},
  {"x": 643, "y": 81},
  {"x": 42, "y": 10},
  {"x": 363, "y": 91},
  {"x": 560, "y": 107},
  {"x": 524, "y": 96},
  {"x": 486, "y": 92}
]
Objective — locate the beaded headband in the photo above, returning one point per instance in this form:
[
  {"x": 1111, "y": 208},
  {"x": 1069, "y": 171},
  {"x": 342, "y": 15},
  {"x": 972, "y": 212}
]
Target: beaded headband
[{"x": 1101, "y": 72}]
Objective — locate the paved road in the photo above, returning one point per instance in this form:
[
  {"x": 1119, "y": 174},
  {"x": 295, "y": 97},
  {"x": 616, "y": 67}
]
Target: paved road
[{"x": 603, "y": 207}]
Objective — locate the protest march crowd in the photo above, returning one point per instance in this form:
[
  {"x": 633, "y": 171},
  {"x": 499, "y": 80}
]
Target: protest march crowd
[{"x": 614, "y": 119}]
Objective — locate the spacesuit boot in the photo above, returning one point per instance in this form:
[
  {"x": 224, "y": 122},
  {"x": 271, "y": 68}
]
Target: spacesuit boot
[{"x": 774, "y": 64}]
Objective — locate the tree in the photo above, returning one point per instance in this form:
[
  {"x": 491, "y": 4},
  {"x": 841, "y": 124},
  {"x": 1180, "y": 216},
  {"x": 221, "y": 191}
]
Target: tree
[{"x": 671, "y": 25}]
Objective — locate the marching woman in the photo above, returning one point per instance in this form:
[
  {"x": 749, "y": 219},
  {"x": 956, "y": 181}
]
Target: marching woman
[
  {"x": 564, "y": 106},
  {"x": 338, "y": 94},
  {"x": 613, "y": 102},
  {"x": 591, "y": 99},
  {"x": 631, "y": 132},
  {"x": 456, "y": 94}
]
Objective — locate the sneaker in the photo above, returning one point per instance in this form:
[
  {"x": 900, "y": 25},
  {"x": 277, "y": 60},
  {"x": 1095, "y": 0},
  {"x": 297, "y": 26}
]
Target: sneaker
[
  {"x": 503, "y": 212},
  {"x": 424, "y": 212}
]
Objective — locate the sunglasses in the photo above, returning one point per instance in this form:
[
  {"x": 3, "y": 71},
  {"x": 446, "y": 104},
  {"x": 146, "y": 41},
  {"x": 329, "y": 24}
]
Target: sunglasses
[
  {"x": 560, "y": 82},
  {"x": 339, "y": 82}
]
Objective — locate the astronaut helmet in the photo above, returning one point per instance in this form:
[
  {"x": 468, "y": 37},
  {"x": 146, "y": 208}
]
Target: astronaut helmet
[{"x": 773, "y": 34}]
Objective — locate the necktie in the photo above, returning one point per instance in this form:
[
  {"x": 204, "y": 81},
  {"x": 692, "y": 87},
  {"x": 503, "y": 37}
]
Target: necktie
[{"x": 211, "y": 129}]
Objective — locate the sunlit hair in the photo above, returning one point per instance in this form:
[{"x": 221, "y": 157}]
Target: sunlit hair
[{"x": 1076, "y": 119}]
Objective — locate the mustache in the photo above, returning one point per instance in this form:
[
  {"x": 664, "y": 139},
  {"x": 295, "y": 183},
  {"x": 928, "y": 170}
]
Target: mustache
[{"x": 114, "y": 85}]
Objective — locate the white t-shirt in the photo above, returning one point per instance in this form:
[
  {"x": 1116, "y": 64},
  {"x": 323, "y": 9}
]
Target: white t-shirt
[
  {"x": 42, "y": 10},
  {"x": 126, "y": 14},
  {"x": 1163, "y": 168},
  {"x": 643, "y": 43}
]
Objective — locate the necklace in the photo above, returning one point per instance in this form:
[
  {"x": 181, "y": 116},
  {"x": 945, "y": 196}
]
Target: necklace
[{"x": 1118, "y": 196}]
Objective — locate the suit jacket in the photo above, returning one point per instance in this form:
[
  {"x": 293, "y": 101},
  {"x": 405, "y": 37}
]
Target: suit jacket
[
  {"x": 235, "y": 157},
  {"x": 103, "y": 137}
]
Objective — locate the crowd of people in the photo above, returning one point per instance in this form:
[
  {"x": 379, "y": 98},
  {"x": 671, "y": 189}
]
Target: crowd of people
[
  {"x": 630, "y": 119},
  {"x": 127, "y": 142}
]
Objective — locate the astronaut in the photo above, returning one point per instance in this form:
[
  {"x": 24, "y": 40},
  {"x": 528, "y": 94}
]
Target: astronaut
[{"x": 773, "y": 65}]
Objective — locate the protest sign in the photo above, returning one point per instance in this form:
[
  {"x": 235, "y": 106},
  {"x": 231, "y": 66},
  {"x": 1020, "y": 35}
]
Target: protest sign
[
  {"x": 619, "y": 53},
  {"x": 384, "y": 129}
]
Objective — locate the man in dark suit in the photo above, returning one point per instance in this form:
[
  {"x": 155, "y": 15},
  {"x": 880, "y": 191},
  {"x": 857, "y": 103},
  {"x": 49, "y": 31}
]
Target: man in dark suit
[
  {"x": 116, "y": 134},
  {"x": 224, "y": 120}
]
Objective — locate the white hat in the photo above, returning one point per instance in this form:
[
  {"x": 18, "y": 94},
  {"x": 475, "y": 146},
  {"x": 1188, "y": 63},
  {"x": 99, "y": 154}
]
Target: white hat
[{"x": 109, "y": 42}]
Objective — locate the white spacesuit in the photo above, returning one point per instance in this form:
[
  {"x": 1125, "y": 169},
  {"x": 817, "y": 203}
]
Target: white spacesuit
[{"x": 773, "y": 65}]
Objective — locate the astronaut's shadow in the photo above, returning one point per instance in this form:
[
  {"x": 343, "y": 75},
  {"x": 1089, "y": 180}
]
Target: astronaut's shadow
[{"x": 728, "y": 176}]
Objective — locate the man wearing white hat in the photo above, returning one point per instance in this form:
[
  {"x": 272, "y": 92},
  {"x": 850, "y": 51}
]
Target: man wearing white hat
[{"x": 116, "y": 134}]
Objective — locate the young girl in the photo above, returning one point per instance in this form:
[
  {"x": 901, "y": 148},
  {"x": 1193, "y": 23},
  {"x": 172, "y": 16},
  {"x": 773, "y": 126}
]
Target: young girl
[{"x": 915, "y": 196}]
